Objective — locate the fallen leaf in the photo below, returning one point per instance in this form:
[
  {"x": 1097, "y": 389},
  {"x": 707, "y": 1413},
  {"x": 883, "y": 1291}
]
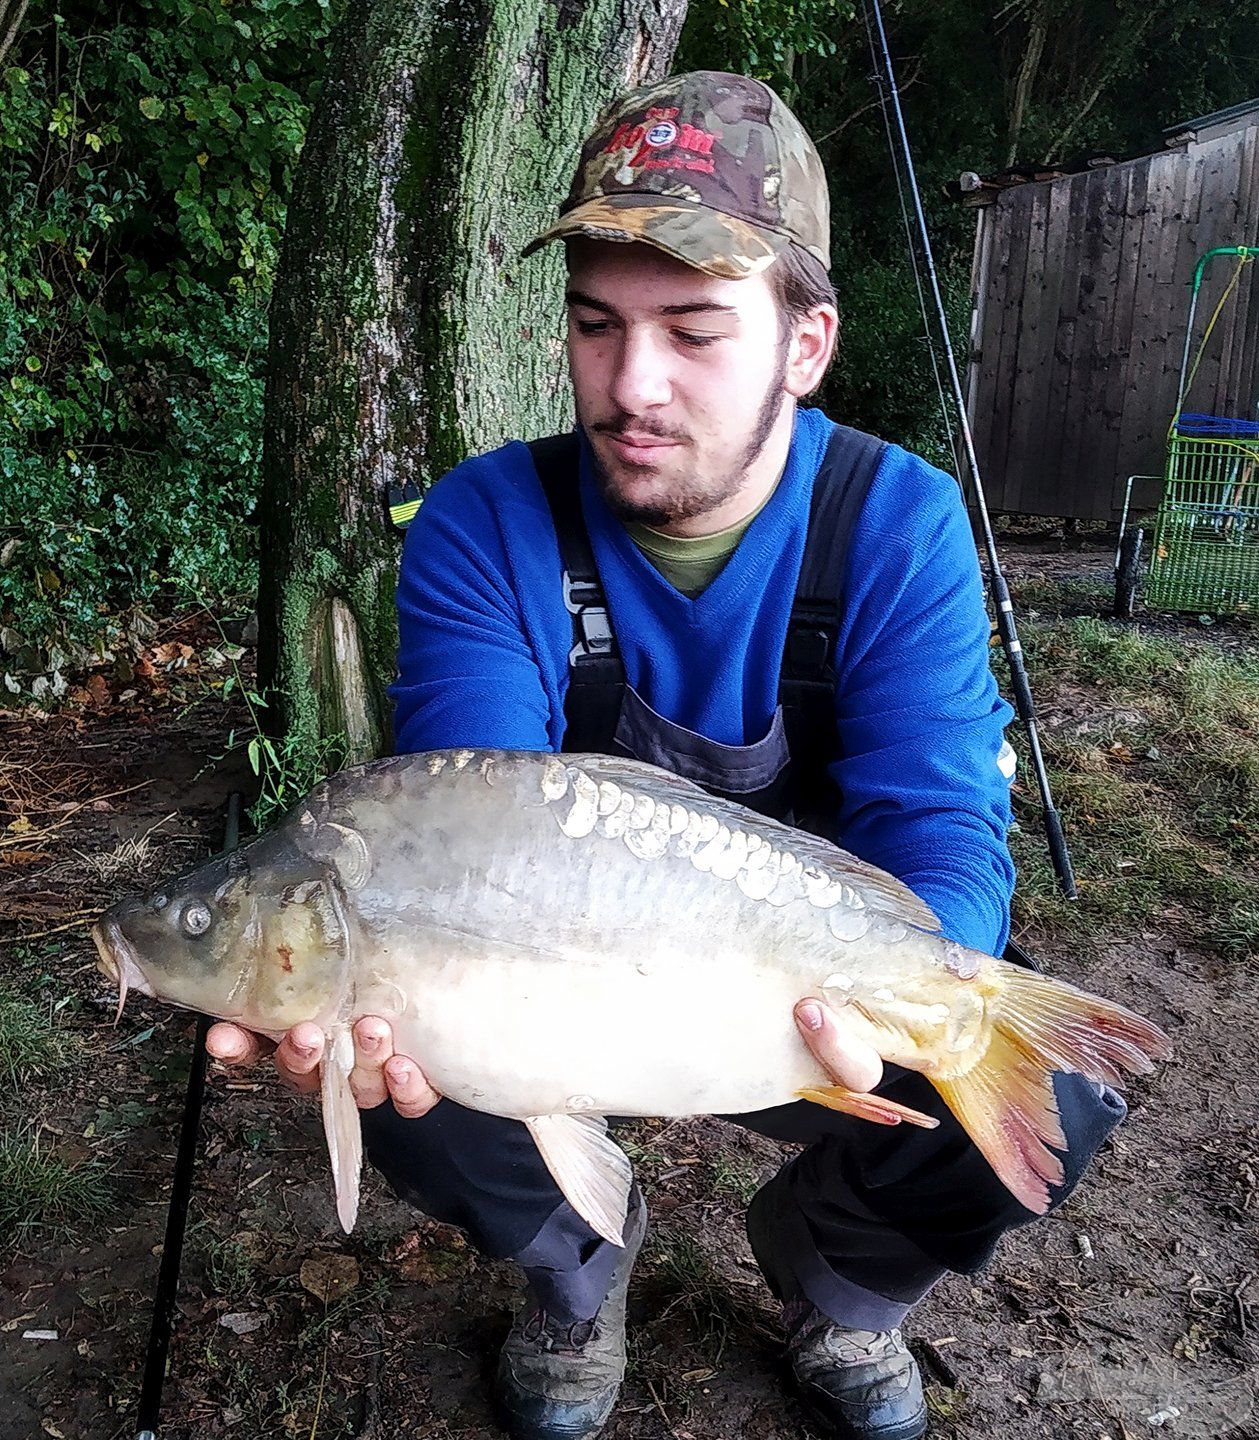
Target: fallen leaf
[
  {"x": 327, "y": 1276},
  {"x": 24, "y": 857},
  {"x": 243, "y": 1322},
  {"x": 173, "y": 654}
]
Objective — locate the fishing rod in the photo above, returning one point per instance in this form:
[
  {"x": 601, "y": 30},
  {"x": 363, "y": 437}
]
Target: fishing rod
[
  {"x": 902, "y": 157},
  {"x": 177, "y": 1213}
]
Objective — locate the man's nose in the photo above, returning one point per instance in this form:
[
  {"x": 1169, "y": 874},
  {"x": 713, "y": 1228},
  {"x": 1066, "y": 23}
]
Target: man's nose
[{"x": 641, "y": 379}]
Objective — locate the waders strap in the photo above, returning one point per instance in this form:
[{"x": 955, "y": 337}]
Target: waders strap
[
  {"x": 596, "y": 672},
  {"x": 807, "y": 680}
]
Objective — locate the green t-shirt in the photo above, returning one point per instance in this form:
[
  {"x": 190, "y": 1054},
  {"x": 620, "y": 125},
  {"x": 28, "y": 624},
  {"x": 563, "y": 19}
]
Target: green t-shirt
[{"x": 691, "y": 563}]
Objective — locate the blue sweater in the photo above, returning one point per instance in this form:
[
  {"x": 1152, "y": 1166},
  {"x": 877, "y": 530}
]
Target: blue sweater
[{"x": 484, "y": 640}]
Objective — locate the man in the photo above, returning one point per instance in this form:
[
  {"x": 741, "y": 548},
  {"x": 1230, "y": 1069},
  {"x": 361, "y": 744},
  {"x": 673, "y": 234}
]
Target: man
[{"x": 640, "y": 588}]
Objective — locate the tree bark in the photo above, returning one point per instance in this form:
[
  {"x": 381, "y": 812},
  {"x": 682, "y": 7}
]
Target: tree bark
[{"x": 406, "y": 333}]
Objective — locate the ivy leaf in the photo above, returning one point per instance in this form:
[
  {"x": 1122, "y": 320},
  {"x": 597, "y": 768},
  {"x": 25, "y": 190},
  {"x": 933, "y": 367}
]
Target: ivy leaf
[{"x": 152, "y": 108}]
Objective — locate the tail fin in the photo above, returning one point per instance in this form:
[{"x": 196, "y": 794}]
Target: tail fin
[{"x": 1006, "y": 1102}]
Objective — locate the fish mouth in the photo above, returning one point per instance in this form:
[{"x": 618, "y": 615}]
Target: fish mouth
[{"x": 118, "y": 961}]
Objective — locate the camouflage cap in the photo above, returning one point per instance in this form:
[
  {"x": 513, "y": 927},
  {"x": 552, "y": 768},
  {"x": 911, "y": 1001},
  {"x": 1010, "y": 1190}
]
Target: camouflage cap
[{"x": 708, "y": 167}]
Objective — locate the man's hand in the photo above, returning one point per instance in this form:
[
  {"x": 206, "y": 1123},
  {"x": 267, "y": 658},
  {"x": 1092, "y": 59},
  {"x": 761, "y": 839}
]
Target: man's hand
[
  {"x": 849, "y": 1062},
  {"x": 378, "y": 1073}
]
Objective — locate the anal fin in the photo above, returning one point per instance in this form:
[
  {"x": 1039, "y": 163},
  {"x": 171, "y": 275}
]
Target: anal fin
[
  {"x": 341, "y": 1125},
  {"x": 867, "y": 1106},
  {"x": 590, "y": 1168}
]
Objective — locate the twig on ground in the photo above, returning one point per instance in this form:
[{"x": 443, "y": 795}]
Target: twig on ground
[
  {"x": 370, "y": 1427},
  {"x": 1239, "y": 1303},
  {"x": 56, "y": 929},
  {"x": 945, "y": 1372},
  {"x": 664, "y": 1414},
  {"x": 30, "y": 836}
]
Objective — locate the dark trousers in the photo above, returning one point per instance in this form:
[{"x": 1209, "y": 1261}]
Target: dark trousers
[{"x": 861, "y": 1223}]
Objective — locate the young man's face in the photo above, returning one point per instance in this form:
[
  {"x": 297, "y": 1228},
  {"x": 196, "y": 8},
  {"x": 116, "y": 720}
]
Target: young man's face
[{"x": 683, "y": 382}]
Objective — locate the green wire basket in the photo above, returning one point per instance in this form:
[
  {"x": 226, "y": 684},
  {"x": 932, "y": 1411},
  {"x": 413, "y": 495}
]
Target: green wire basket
[{"x": 1205, "y": 555}]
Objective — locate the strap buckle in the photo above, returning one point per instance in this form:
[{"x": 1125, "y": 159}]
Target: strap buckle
[{"x": 592, "y": 628}]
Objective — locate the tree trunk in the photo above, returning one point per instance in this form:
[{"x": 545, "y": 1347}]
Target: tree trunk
[
  {"x": 1036, "y": 38},
  {"x": 406, "y": 333}
]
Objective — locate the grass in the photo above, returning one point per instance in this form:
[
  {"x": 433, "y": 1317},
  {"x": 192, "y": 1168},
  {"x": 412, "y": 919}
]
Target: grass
[
  {"x": 1061, "y": 595},
  {"x": 30, "y": 1043},
  {"x": 41, "y": 1190},
  {"x": 713, "y": 1309},
  {"x": 1157, "y": 779},
  {"x": 231, "y": 1270},
  {"x": 734, "y": 1180}
]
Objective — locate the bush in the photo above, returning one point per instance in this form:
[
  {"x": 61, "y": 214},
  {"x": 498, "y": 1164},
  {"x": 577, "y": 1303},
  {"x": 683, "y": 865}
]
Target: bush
[{"x": 144, "y": 169}]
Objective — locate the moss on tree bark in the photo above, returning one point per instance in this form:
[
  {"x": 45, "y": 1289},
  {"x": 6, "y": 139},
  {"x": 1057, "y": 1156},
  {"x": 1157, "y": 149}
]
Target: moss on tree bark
[{"x": 406, "y": 332}]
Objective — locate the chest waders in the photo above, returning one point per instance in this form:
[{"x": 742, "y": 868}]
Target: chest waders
[{"x": 784, "y": 774}]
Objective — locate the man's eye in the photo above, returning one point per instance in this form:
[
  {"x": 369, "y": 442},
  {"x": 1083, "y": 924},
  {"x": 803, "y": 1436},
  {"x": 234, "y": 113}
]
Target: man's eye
[
  {"x": 696, "y": 342},
  {"x": 591, "y": 327}
]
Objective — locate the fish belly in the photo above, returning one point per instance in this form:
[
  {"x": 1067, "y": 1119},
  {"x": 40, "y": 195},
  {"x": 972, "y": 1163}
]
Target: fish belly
[{"x": 519, "y": 1036}]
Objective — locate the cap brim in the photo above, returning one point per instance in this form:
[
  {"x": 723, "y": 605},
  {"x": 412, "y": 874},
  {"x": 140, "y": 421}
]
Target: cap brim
[{"x": 708, "y": 240}]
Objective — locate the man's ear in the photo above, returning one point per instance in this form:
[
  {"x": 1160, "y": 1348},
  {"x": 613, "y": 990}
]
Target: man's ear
[{"x": 813, "y": 339}]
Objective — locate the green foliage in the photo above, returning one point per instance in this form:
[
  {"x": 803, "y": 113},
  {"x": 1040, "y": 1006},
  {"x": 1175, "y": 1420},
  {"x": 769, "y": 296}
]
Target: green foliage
[
  {"x": 287, "y": 768},
  {"x": 770, "y": 37},
  {"x": 144, "y": 169}
]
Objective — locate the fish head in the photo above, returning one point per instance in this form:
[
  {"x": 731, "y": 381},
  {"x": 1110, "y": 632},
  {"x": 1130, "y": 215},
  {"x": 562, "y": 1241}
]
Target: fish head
[{"x": 259, "y": 937}]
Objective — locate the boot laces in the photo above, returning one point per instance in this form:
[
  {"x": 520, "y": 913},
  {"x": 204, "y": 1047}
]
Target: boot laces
[{"x": 544, "y": 1330}]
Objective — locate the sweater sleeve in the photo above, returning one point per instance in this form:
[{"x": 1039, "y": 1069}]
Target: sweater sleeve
[
  {"x": 467, "y": 672},
  {"x": 921, "y": 722}
]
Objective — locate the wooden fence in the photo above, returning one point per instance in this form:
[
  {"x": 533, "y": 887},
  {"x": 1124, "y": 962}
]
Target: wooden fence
[{"x": 1080, "y": 298}]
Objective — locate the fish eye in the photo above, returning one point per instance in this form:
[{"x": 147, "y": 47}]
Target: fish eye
[{"x": 195, "y": 918}]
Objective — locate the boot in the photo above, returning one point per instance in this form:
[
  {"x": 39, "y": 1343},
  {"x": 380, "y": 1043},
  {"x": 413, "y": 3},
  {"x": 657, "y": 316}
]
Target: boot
[
  {"x": 862, "y": 1384},
  {"x": 559, "y": 1381}
]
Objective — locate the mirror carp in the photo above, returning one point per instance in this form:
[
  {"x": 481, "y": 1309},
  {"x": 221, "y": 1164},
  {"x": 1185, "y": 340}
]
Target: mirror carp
[{"x": 541, "y": 931}]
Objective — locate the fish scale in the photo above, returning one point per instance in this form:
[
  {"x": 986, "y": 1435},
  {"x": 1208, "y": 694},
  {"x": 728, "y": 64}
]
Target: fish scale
[{"x": 544, "y": 933}]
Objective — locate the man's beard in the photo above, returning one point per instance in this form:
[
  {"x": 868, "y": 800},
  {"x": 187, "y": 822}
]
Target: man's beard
[{"x": 685, "y": 502}]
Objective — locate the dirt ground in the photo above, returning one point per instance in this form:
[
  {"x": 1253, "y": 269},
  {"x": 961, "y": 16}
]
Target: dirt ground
[{"x": 1136, "y": 1300}]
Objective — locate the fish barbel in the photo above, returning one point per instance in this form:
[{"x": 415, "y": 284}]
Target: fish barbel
[{"x": 542, "y": 930}]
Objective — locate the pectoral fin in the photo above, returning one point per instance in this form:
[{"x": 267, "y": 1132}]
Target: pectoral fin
[
  {"x": 592, "y": 1170},
  {"x": 867, "y": 1106},
  {"x": 341, "y": 1124}
]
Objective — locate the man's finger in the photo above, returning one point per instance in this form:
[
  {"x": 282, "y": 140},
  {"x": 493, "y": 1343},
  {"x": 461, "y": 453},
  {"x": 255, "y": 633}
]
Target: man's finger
[
  {"x": 373, "y": 1045},
  {"x": 298, "y": 1056},
  {"x": 851, "y": 1063},
  {"x": 235, "y": 1046},
  {"x": 410, "y": 1092}
]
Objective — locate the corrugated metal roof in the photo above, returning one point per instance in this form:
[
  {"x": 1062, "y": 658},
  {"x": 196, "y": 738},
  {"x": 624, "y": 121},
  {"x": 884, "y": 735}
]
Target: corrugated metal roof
[{"x": 1217, "y": 117}]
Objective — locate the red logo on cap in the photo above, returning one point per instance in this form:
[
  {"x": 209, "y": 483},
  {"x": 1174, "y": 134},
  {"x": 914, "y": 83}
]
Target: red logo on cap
[{"x": 654, "y": 143}]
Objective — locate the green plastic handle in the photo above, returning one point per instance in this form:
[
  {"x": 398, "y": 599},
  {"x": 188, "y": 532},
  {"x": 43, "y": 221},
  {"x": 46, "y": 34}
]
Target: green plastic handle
[{"x": 1247, "y": 252}]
